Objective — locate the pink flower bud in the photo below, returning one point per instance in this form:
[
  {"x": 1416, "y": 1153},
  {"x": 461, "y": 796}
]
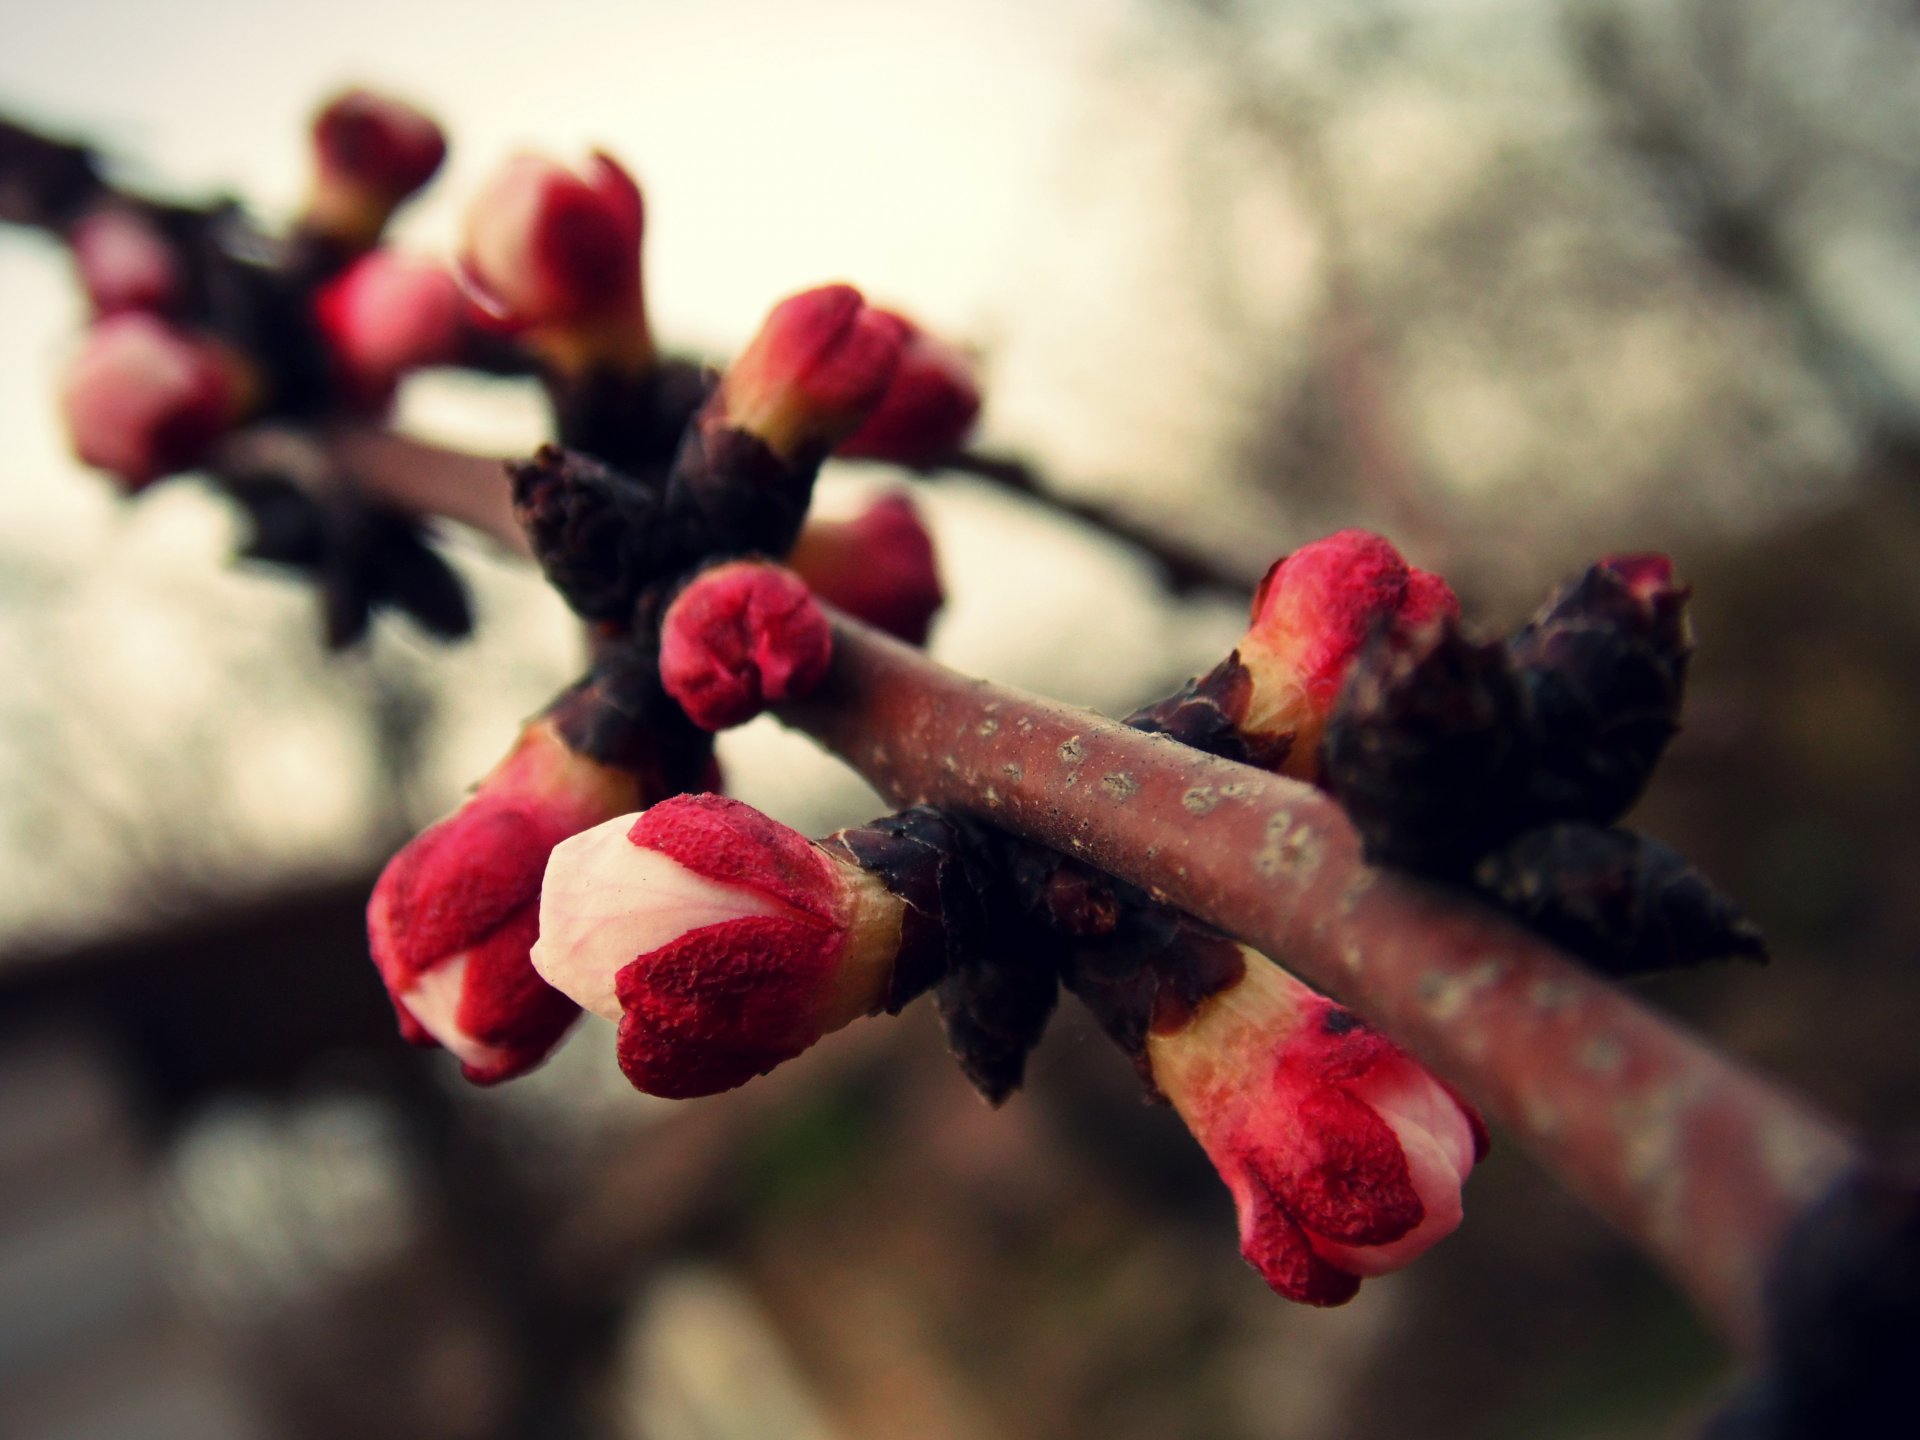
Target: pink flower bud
[
  {"x": 817, "y": 369},
  {"x": 455, "y": 913},
  {"x": 125, "y": 263},
  {"x": 370, "y": 153},
  {"x": 556, "y": 253},
  {"x": 926, "y": 411},
  {"x": 878, "y": 567},
  {"x": 722, "y": 942},
  {"x": 388, "y": 314},
  {"x": 1311, "y": 614},
  {"x": 742, "y": 636},
  {"x": 143, "y": 399},
  {"x": 1345, "y": 1157}
]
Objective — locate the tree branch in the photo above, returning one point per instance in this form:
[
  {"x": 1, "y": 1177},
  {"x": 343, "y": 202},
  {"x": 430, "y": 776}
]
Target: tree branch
[{"x": 1702, "y": 1164}]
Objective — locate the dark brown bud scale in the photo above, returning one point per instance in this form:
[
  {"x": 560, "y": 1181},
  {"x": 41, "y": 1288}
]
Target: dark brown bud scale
[
  {"x": 1604, "y": 665},
  {"x": 1624, "y": 903},
  {"x": 593, "y": 529},
  {"x": 1430, "y": 749}
]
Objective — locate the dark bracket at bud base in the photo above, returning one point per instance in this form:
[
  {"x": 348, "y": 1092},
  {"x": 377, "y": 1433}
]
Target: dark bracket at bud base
[
  {"x": 631, "y": 422},
  {"x": 594, "y": 529},
  {"x": 992, "y": 978},
  {"x": 1604, "y": 666},
  {"x": 1487, "y": 765},
  {"x": 1204, "y": 715},
  {"x": 730, "y": 494},
  {"x": 619, "y": 715},
  {"x": 1430, "y": 749},
  {"x": 1624, "y": 903}
]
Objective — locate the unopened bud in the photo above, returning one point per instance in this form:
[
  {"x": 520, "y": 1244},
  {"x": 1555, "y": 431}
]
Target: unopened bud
[
  {"x": 1344, "y": 1156},
  {"x": 124, "y": 261},
  {"x": 555, "y": 253},
  {"x": 387, "y": 315},
  {"x": 143, "y": 399},
  {"x": 742, "y": 636},
  {"x": 817, "y": 369},
  {"x": 370, "y": 153},
  {"x": 1429, "y": 749},
  {"x": 927, "y": 410},
  {"x": 722, "y": 942},
  {"x": 1621, "y": 901},
  {"x": 1605, "y": 668},
  {"x": 878, "y": 567},
  {"x": 455, "y": 914},
  {"x": 1268, "y": 703}
]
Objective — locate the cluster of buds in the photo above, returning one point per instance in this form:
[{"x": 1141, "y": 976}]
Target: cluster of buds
[
  {"x": 455, "y": 914},
  {"x": 1504, "y": 765}
]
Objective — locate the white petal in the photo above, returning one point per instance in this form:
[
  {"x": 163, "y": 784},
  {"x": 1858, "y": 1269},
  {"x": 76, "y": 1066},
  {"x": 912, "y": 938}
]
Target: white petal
[
  {"x": 434, "y": 1001},
  {"x": 606, "y": 901}
]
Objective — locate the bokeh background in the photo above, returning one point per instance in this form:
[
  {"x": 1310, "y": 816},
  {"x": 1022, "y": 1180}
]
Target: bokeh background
[{"x": 1515, "y": 282}]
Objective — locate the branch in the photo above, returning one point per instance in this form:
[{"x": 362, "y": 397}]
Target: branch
[
  {"x": 1702, "y": 1164},
  {"x": 1184, "y": 568}
]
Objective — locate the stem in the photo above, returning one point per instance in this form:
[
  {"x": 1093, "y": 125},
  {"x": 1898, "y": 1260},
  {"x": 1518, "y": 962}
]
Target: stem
[
  {"x": 1701, "y": 1163},
  {"x": 1183, "y": 568},
  {"x": 428, "y": 479}
]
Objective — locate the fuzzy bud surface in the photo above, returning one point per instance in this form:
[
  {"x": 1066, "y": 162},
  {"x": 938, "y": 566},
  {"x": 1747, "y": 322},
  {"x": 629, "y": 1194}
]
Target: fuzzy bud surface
[
  {"x": 1312, "y": 613},
  {"x": 454, "y": 915},
  {"x": 1345, "y": 1157},
  {"x": 721, "y": 941},
  {"x": 742, "y": 636},
  {"x": 123, "y": 260},
  {"x": 817, "y": 369}
]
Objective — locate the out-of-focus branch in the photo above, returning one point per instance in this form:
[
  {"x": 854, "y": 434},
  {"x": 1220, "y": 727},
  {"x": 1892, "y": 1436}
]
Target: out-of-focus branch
[
  {"x": 1704, "y": 1165},
  {"x": 1184, "y": 568}
]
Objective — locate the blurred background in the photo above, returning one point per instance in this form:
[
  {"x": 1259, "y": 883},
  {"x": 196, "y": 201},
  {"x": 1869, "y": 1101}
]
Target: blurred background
[{"x": 1515, "y": 282}]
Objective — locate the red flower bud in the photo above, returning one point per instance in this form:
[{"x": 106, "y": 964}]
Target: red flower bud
[
  {"x": 926, "y": 411},
  {"x": 370, "y": 153},
  {"x": 722, "y": 942},
  {"x": 878, "y": 567},
  {"x": 388, "y": 314},
  {"x": 125, "y": 263},
  {"x": 1313, "y": 611},
  {"x": 1345, "y": 1157},
  {"x": 455, "y": 913},
  {"x": 817, "y": 369},
  {"x": 556, "y": 253},
  {"x": 742, "y": 636},
  {"x": 143, "y": 399}
]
